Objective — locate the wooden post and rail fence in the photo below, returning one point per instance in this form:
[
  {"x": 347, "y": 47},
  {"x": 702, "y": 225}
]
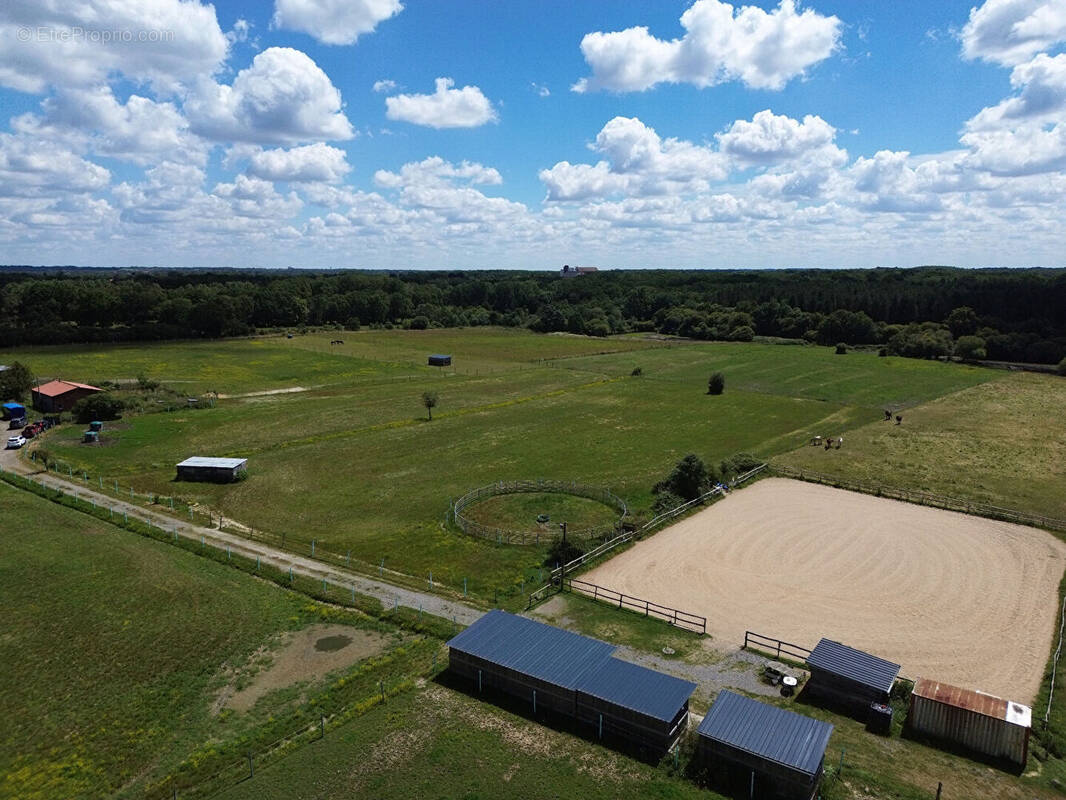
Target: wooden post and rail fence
[
  {"x": 559, "y": 579},
  {"x": 768, "y": 644}
]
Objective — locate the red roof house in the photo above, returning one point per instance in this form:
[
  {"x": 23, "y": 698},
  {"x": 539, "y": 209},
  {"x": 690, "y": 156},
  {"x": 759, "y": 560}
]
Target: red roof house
[{"x": 56, "y": 396}]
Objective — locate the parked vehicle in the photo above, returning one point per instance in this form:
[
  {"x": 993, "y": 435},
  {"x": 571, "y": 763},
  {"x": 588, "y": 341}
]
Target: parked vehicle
[{"x": 15, "y": 442}]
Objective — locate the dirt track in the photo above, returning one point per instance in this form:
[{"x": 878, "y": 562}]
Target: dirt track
[{"x": 966, "y": 600}]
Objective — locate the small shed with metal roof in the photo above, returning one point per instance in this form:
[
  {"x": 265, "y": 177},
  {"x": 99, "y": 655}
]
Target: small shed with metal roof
[
  {"x": 556, "y": 670},
  {"x": 979, "y": 722},
  {"x": 215, "y": 470},
  {"x": 849, "y": 677},
  {"x": 761, "y": 750}
]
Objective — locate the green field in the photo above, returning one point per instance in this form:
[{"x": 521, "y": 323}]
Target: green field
[
  {"x": 444, "y": 744},
  {"x": 115, "y": 647},
  {"x": 353, "y": 463},
  {"x": 519, "y": 512},
  {"x": 1000, "y": 443}
]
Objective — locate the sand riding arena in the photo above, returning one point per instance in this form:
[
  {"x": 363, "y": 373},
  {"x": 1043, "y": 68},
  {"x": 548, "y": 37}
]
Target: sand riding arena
[{"x": 965, "y": 600}]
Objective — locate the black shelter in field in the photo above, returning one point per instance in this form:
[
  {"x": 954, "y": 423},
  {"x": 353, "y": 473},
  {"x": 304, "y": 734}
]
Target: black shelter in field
[{"x": 439, "y": 360}]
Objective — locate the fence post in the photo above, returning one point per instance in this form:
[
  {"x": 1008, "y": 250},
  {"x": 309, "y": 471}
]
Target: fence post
[
  {"x": 312, "y": 548},
  {"x": 251, "y": 766}
]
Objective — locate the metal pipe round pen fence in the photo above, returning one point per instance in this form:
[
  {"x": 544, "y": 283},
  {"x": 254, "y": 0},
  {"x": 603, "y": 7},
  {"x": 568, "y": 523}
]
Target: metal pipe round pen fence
[{"x": 550, "y": 533}]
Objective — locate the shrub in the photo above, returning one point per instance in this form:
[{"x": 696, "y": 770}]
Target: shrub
[
  {"x": 1062, "y": 367},
  {"x": 146, "y": 383},
  {"x": 637, "y": 371},
  {"x": 738, "y": 464},
  {"x": 562, "y": 552},
  {"x": 687, "y": 480},
  {"x": 882, "y": 352},
  {"x": 970, "y": 348},
  {"x": 842, "y": 349},
  {"x": 716, "y": 383},
  {"x": 99, "y": 406}
]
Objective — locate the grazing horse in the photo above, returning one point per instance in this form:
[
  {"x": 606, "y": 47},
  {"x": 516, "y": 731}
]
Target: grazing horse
[{"x": 337, "y": 341}]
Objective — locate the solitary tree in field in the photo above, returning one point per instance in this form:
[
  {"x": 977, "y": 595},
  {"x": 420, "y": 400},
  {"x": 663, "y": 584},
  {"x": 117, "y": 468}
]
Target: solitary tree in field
[
  {"x": 716, "y": 383},
  {"x": 429, "y": 400}
]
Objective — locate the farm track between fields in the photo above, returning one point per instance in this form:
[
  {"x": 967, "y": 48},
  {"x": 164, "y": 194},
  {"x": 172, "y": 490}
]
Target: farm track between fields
[{"x": 388, "y": 593}]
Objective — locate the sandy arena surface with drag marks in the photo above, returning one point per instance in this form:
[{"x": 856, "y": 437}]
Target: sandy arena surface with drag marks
[{"x": 965, "y": 600}]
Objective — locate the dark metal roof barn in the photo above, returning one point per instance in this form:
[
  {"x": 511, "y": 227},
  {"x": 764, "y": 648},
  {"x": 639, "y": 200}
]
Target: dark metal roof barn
[
  {"x": 779, "y": 752},
  {"x": 848, "y": 676},
  {"x": 573, "y": 675}
]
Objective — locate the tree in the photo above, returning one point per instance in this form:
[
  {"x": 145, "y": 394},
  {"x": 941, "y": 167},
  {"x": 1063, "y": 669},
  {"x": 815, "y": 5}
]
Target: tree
[
  {"x": 98, "y": 406},
  {"x": 429, "y": 400},
  {"x": 970, "y": 348},
  {"x": 687, "y": 480},
  {"x": 842, "y": 349},
  {"x": 716, "y": 383},
  {"x": 15, "y": 382},
  {"x": 962, "y": 321},
  {"x": 562, "y": 552}
]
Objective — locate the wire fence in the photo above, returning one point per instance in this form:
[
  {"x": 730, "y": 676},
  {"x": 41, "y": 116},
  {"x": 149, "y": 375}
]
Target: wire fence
[
  {"x": 923, "y": 498},
  {"x": 504, "y": 536}
]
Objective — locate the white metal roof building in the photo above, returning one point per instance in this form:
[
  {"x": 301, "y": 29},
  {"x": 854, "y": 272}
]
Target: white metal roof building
[{"x": 202, "y": 468}]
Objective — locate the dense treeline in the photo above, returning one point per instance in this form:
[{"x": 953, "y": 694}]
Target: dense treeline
[{"x": 1006, "y": 314}]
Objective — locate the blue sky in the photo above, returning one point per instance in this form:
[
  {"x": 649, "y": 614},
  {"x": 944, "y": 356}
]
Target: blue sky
[{"x": 382, "y": 133}]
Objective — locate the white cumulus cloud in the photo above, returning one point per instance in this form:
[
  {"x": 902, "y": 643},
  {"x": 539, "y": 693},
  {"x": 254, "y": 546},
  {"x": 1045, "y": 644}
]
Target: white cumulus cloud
[
  {"x": 282, "y": 97},
  {"x": 385, "y": 85},
  {"x": 1042, "y": 95},
  {"x": 312, "y": 163},
  {"x": 638, "y": 162},
  {"x": 1009, "y": 32},
  {"x": 141, "y": 130},
  {"x": 30, "y": 167},
  {"x": 84, "y": 42},
  {"x": 445, "y": 108},
  {"x": 763, "y": 50},
  {"x": 333, "y": 21},
  {"x": 770, "y": 138}
]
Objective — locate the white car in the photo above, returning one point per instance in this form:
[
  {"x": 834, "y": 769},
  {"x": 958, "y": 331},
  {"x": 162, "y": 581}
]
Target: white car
[{"x": 15, "y": 442}]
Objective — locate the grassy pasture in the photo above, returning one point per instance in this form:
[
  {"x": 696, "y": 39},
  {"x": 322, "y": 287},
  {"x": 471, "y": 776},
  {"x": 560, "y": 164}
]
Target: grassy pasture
[
  {"x": 231, "y": 366},
  {"x": 353, "y": 464},
  {"x": 110, "y": 645},
  {"x": 473, "y": 350},
  {"x": 999, "y": 443},
  {"x": 443, "y": 743},
  {"x": 518, "y": 512},
  {"x": 813, "y": 373}
]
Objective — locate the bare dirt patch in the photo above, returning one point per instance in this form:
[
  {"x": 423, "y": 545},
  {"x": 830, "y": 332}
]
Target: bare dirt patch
[
  {"x": 306, "y": 655},
  {"x": 962, "y": 599}
]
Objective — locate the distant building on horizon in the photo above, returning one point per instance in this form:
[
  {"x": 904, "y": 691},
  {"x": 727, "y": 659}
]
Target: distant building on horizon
[{"x": 572, "y": 272}]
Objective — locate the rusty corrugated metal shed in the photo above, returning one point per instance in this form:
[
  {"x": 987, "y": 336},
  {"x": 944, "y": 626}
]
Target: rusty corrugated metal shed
[{"x": 978, "y": 702}]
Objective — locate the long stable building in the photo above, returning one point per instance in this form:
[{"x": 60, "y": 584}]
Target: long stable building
[
  {"x": 762, "y": 751},
  {"x": 574, "y": 676}
]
